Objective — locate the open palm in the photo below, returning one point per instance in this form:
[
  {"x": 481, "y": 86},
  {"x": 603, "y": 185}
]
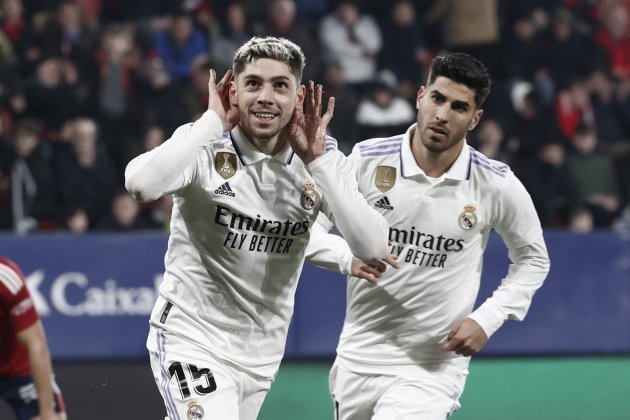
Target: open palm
[{"x": 307, "y": 131}]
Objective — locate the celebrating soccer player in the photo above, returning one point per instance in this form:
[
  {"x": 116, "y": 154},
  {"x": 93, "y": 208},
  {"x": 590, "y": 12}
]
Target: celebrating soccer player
[{"x": 249, "y": 179}]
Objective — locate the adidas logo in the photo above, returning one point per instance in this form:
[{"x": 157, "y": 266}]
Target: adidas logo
[
  {"x": 225, "y": 189},
  {"x": 383, "y": 203}
]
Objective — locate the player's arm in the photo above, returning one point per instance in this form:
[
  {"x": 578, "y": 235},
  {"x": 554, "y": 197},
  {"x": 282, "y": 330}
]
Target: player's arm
[
  {"x": 519, "y": 227},
  {"x": 34, "y": 340},
  {"x": 161, "y": 171},
  {"x": 362, "y": 227},
  {"x": 364, "y": 230},
  {"x": 330, "y": 251}
]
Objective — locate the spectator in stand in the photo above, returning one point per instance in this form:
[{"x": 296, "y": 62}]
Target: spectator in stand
[
  {"x": 181, "y": 46},
  {"x": 614, "y": 37},
  {"x": 157, "y": 100},
  {"x": 84, "y": 171},
  {"x": 573, "y": 108},
  {"x": 353, "y": 40},
  {"x": 524, "y": 36},
  {"x": 256, "y": 9},
  {"x": 148, "y": 14},
  {"x": 566, "y": 52},
  {"x": 409, "y": 58},
  {"x": 32, "y": 181},
  {"x": 233, "y": 34},
  {"x": 159, "y": 216},
  {"x": 581, "y": 220},
  {"x": 490, "y": 139},
  {"x": 344, "y": 126},
  {"x": 281, "y": 22},
  {"x": 75, "y": 220},
  {"x": 593, "y": 178},
  {"x": 19, "y": 31},
  {"x": 12, "y": 99},
  {"x": 53, "y": 95},
  {"x": 531, "y": 124},
  {"x": 117, "y": 58},
  {"x": 382, "y": 112},
  {"x": 153, "y": 136},
  {"x": 611, "y": 111},
  {"x": 546, "y": 178},
  {"x": 195, "y": 94},
  {"x": 150, "y": 137},
  {"x": 471, "y": 27},
  {"x": 68, "y": 35},
  {"x": 124, "y": 214},
  {"x": 27, "y": 381}
]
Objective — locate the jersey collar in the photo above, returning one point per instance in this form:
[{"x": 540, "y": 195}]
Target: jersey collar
[
  {"x": 460, "y": 171},
  {"x": 248, "y": 154}
]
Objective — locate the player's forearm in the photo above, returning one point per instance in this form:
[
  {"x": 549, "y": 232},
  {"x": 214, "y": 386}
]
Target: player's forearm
[
  {"x": 41, "y": 371},
  {"x": 512, "y": 299},
  {"x": 159, "y": 171},
  {"x": 362, "y": 227},
  {"x": 328, "y": 251}
]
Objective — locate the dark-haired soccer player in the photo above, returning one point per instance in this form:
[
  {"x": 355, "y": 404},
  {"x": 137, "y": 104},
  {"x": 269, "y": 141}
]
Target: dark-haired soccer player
[{"x": 407, "y": 339}]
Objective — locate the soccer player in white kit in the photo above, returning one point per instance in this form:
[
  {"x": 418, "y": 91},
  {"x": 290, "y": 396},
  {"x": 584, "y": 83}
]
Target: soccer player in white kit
[
  {"x": 406, "y": 343},
  {"x": 249, "y": 179}
]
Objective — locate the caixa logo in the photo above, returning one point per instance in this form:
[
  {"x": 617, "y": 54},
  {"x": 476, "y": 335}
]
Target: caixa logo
[{"x": 71, "y": 294}]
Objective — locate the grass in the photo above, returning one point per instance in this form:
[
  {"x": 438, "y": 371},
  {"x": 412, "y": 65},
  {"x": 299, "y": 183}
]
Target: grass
[{"x": 554, "y": 388}]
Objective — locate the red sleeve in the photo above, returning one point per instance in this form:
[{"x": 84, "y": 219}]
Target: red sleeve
[{"x": 15, "y": 296}]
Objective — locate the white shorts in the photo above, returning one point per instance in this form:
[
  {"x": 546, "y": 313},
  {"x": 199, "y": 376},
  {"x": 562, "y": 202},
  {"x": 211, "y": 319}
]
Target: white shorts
[
  {"x": 383, "y": 397},
  {"x": 196, "y": 386}
]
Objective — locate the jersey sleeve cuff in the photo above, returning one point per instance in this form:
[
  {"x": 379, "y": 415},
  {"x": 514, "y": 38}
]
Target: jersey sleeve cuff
[
  {"x": 346, "y": 264},
  {"x": 487, "y": 320},
  {"x": 210, "y": 125},
  {"x": 322, "y": 161}
]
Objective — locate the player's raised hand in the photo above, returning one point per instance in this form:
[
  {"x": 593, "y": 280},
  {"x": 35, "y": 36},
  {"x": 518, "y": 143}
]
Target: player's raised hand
[
  {"x": 219, "y": 100},
  {"x": 466, "y": 338},
  {"x": 307, "y": 130},
  {"x": 372, "y": 271}
]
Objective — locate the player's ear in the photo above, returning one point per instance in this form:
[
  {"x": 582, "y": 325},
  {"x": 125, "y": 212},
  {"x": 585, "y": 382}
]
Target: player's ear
[
  {"x": 301, "y": 93},
  {"x": 476, "y": 119},
  {"x": 420, "y": 95},
  {"x": 232, "y": 92}
]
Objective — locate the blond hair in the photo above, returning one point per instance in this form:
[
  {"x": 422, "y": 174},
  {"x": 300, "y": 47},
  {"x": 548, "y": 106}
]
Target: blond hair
[{"x": 279, "y": 49}]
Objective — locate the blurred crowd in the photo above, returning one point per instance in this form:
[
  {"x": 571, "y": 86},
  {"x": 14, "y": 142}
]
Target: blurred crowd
[{"x": 86, "y": 85}]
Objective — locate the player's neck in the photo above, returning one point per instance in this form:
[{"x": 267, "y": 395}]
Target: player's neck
[
  {"x": 269, "y": 146},
  {"x": 435, "y": 164}
]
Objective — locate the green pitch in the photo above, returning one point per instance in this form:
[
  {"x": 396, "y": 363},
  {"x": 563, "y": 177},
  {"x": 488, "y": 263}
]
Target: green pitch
[{"x": 497, "y": 389}]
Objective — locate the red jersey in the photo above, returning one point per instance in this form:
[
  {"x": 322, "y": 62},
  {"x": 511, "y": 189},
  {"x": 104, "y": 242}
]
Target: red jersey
[{"x": 17, "y": 312}]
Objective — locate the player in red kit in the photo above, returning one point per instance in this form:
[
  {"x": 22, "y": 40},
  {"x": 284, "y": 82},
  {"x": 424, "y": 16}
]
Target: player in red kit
[{"x": 26, "y": 378}]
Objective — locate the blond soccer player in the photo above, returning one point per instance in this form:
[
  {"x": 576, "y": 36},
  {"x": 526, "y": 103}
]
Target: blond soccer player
[{"x": 249, "y": 179}]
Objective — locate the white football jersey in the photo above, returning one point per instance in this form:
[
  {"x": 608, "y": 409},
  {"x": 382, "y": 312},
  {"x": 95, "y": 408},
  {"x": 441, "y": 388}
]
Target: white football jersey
[
  {"x": 241, "y": 221},
  {"x": 438, "y": 229}
]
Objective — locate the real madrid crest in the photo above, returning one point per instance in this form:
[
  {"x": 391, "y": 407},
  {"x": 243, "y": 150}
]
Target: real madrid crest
[
  {"x": 467, "y": 219},
  {"x": 225, "y": 164},
  {"x": 385, "y": 178},
  {"x": 195, "y": 411},
  {"x": 309, "y": 197}
]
